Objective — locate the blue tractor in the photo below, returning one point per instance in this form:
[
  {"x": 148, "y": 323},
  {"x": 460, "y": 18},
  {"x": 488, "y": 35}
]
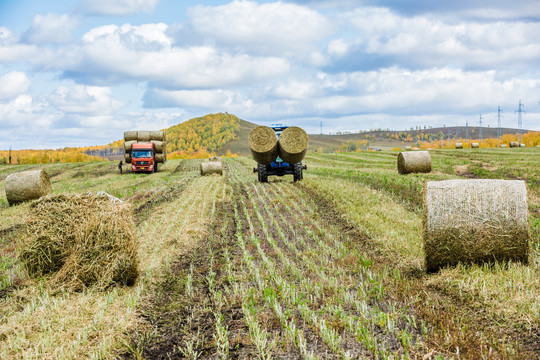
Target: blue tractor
[{"x": 279, "y": 167}]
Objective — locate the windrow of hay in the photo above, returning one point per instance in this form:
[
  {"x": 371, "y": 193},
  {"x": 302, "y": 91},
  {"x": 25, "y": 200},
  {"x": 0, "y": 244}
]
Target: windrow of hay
[
  {"x": 81, "y": 240},
  {"x": 293, "y": 144},
  {"x": 459, "y": 145},
  {"x": 475, "y": 145},
  {"x": 27, "y": 185},
  {"x": 475, "y": 221},
  {"x": 263, "y": 144},
  {"x": 414, "y": 162},
  {"x": 211, "y": 167}
]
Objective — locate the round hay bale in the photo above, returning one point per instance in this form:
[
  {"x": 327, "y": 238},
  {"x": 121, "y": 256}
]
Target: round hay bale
[
  {"x": 475, "y": 145},
  {"x": 263, "y": 144},
  {"x": 503, "y": 145},
  {"x": 130, "y": 135},
  {"x": 522, "y": 145},
  {"x": 161, "y": 158},
  {"x": 143, "y": 136},
  {"x": 408, "y": 147},
  {"x": 293, "y": 144},
  {"x": 414, "y": 162},
  {"x": 214, "y": 158},
  {"x": 209, "y": 168},
  {"x": 127, "y": 158},
  {"x": 157, "y": 135},
  {"x": 27, "y": 185},
  {"x": 81, "y": 240},
  {"x": 475, "y": 221},
  {"x": 514, "y": 144},
  {"x": 459, "y": 145},
  {"x": 159, "y": 145},
  {"x": 128, "y": 145}
]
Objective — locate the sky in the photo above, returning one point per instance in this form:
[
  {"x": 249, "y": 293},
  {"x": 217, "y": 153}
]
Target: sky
[{"x": 80, "y": 72}]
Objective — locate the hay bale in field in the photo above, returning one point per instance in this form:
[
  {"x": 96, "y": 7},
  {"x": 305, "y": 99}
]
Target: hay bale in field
[
  {"x": 27, "y": 185},
  {"x": 128, "y": 145},
  {"x": 408, "y": 147},
  {"x": 475, "y": 221},
  {"x": 159, "y": 145},
  {"x": 263, "y": 144},
  {"x": 130, "y": 135},
  {"x": 475, "y": 145},
  {"x": 127, "y": 158},
  {"x": 214, "y": 158},
  {"x": 80, "y": 240},
  {"x": 157, "y": 135},
  {"x": 514, "y": 144},
  {"x": 161, "y": 158},
  {"x": 459, "y": 145},
  {"x": 143, "y": 136},
  {"x": 522, "y": 145},
  {"x": 414, "y": 162},
  {"x": 209, "y": 168},
  {"x": 293, "y": 144},
  {"x": 503, "y": 145}
]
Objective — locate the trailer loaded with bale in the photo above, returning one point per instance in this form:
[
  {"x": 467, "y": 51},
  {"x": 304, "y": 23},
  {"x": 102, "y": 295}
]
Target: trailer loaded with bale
[
  {"x": 144, "y": 150},
  {"x": 278, "y": 150}
]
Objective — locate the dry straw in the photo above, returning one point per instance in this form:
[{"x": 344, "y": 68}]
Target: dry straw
[
  {"x": 159, "y": 145},
  {"x": 130, "y": 135},
  {"x": 475, "y": 221},
  {"x": 293, "y": 144},
  {"x": 414, "y": 162},
  {"x": 82, "y": 240},
  {"x": 157, "y": 135},
  {"x": 161, "y": 158},
  {"x": 263, "y": 144},
  {"x": 459, "y": 145},
  {"x": 27, "y": 185},
  {"x": 209, "y": 168}
]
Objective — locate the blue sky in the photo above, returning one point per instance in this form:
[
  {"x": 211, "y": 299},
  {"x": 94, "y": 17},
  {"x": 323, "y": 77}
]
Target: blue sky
[{"x": 76, "y": 73}]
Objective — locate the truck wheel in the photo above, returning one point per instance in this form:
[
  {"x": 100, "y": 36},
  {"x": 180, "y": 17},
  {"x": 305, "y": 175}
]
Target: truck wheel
[
  {"x": 297, "y": 172},
  {"x": 155, "y": 168},
  {"x": 262, "y": 173}
]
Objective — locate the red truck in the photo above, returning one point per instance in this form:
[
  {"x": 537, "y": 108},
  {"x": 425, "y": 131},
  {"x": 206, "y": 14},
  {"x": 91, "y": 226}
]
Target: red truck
[{"x": 143, "y": 157}]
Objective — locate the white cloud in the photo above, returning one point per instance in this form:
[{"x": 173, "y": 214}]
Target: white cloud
[
  {"x": 338, "y": 47},
  {"x": 12, "y": 84},
  {"x": 118, "y": 7},
  {"x": 85, "y": 100},
  {"x": 50, "y": 29}
]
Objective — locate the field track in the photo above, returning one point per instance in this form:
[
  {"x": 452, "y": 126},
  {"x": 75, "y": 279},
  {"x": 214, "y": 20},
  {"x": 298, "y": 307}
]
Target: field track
[{"x": 327, "y": 268}]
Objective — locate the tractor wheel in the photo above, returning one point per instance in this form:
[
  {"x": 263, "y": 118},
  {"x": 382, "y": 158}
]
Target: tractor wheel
[
  {"x": 262, "y": 174},
  {"x": 297, "y": 172}
]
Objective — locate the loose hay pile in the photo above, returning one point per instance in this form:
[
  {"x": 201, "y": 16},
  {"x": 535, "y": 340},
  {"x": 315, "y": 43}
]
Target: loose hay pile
[
  {"x": 414, "y": 162},
  {"x": 475, "y": 221},
  {"x": 81, "y": 240},
  {"x": 263, "y": 144},
  {"x": 27, "y": 185},
  {"x": 293, "y": 144}
]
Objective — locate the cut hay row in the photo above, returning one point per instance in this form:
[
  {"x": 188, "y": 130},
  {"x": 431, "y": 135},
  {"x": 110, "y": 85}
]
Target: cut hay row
[{"x": 475, "y": 221}]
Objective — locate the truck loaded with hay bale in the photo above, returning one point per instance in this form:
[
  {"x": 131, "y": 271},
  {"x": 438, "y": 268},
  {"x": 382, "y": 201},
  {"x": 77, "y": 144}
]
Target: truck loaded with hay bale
[
  {"x": 144, "y": 150},
  {"x": 278, "y": 150}
]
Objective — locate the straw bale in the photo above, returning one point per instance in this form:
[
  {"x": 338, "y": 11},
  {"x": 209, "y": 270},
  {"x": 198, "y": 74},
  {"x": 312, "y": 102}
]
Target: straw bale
[
  {"x": 475, "y": 221},
  {"x": 128, "y": 145},
  {"x": 263, "y": 144},
  {"x": 503, "y": 145},
  {"x": 522, "y": 145},
  {"x": 27, "y": 185},
  {"x": 130, "y": 135},
  {"x": 214, "y": 158},
  {"x": 209, "y": 168},
  {"x": 157, "y": 135},
  {"x": 127, "y": 158},
  {"x": 459, "y": 145},
  {"x": 161, "y": 158},
  {"x": 408, "y": 147},
  {"x": 159, "y": 145},
  {"x": 293, "y": 144},
  {"x": 143, "y": 136},
  {"x": 514, "y": 144},
  {"x": 81, "y": 240},
  {"x": 475, "y": 145},
  {"x": 414, "y": 162}
]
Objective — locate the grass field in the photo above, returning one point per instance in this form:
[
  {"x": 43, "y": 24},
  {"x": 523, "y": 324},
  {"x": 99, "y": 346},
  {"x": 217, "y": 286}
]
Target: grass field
[{"x": 327, "y": 268}]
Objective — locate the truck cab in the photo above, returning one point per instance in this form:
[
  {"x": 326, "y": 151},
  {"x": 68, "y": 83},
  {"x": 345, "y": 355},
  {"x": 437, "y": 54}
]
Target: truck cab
[{"x": 143, "y": 157}]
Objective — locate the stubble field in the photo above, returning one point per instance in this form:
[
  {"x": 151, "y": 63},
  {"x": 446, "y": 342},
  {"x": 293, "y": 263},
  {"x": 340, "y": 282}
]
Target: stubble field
[{"x": 327, "y": 268}]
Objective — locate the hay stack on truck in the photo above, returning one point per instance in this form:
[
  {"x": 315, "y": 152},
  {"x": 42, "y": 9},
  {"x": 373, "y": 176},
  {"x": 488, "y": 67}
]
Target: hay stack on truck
[
  {"x": 144, "y": 150},
  {"x": 278, "y": 150}
]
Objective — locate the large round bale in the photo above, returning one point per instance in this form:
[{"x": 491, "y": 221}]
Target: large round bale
[
  {"x": 475, "y": 145},
  {"x": 81, "y": 240},
  {"x": 27, "y": 185},
  {"x": 503, "y": 145},
  {"x": 293, "y": 144},
  {"x": 263, "y": 144},
  {"x": 475, "y": 221},
  {"x": 459, "y": 145},
  {"x": 128, "y": 145},
  {"x": 522, "y": 145},
  {"x": 408, "y": 147},
  {"x": 143, "y": 136},
  {"x": 127, "y": 158},
  {"x": 214, "y": 158},
  {"x": 514, "y": 144},
  {"x": 159, "y": 145},
  {"x": 157, "y": 135},
  {"x": 414, "y": 162},
  {"x": 130, "y": 135},
  {"x": 213, "y": 167},
  {"x": 161, "y": 157}
]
